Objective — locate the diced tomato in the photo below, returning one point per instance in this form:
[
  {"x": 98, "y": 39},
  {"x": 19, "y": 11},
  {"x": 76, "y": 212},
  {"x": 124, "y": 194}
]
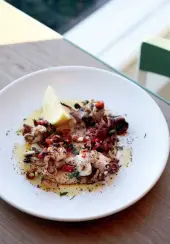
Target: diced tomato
[
  {"x": 83, "y": 155},
  {"x": 68, "y": 168},
  {"x": 97, "y": 140},
  {"x": 49, "y": 141},
  {"x": 106, "y": 148},
  {"x": 68, "y": 139},
  {"x": 65, "y": 132},
  {"x": 68, "y": 155},
  {"x": 91, "y": 130},
  {"x": 100, "y": 105},
  {"x": 55, "y": 137},
  {"x": 41, "y": 122},
  {"x": 44, "y": 149},
  {"x": 98, "y": 144},
  {"x": 75, "y": 138},
  {"x": 84, "y": 150},
  {"x": 69, "y": 150},
  {"x": 92, "y": 140},
  {"x": 88, "y": 144},
  {"x": 85, "y": 139},
  {"x": 41, "y": 155}
]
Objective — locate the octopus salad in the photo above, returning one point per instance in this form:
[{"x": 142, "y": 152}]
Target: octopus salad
[{"x": 81, "y": 151}]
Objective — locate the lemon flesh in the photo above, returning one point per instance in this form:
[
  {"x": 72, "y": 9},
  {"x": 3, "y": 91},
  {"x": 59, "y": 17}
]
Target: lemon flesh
[{"x": 53, "y": 111}]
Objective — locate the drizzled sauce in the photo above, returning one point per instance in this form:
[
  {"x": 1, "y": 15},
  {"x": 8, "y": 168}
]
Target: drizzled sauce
[{"x": 69, "y": 190}]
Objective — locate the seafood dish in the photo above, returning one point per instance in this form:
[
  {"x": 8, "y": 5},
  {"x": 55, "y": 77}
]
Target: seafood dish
[{"x": 79, "y": 150}]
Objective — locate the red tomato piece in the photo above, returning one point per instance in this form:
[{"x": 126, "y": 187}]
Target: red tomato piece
[
  {"x": 40, "y": 156},
  {"x": 75, "y": 138},
  {"x": 100, "y": 105},
  {"x": 68, "y": 168},
  {"x": 49, "y": 141}
]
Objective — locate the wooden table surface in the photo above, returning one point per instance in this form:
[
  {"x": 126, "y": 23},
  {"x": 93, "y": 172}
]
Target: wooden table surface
[{"x": 26, "y": 46}]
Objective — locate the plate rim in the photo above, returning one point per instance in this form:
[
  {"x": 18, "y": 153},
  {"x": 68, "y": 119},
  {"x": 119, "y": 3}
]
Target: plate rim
[{"x": 107, "y": 213}]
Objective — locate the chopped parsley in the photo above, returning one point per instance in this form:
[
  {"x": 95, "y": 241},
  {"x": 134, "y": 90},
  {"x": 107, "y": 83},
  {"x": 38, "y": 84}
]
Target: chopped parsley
[
  {"x": 63, "y": 193},
  {"x": 75, "y": 151},
  {"x": 18, "y": 132},
  {"x": 7, "y": 132},
  {"x": 119, "y": 147},
  {"x": 75, "y": 174},
  {"x": 65, "y": 145}
]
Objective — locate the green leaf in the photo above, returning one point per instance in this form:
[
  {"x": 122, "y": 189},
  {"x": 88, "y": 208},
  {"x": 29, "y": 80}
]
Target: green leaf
[
  {"x": 75, "y": 174},
  {"x": 70, "y": 176},
  {"x": 119, "y": 147},
  {"x": 75, "y": 151},
  {"x": 63, "y": 193}
]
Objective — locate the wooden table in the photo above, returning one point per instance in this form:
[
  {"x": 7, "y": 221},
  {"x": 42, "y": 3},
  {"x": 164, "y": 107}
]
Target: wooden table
[{"x": 26, "y": 46}]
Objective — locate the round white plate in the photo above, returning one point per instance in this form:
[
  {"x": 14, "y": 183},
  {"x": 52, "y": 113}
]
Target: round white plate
[{"x": 150, "y": 151}]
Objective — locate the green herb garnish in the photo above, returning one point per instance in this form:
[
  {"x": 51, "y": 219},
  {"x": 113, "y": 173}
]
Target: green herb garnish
[
  {"x": 7, "y": 132},
  {"x": 75, "y": 174},
  {"x": 119, "y": 147},
  {"x": 75, "y": 151},
  {"x": 18, "y": 132},
  {"x": 63, "y": 193},
  {"x": 65, "y": 145}
]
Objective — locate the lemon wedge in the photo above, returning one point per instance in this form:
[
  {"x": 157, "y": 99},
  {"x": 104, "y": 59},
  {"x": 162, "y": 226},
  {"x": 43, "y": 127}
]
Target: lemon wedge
[{"x": 53, "y": 111}]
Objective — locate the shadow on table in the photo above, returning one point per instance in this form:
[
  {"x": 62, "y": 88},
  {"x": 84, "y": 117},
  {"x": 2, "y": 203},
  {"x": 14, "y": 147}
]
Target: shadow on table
[{"x": 20, "y": 59}]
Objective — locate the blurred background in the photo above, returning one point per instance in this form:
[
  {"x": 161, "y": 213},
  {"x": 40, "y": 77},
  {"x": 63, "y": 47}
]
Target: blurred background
[
  {"x": 111, "y": 30},
  {"x": 59, "y": 15}
]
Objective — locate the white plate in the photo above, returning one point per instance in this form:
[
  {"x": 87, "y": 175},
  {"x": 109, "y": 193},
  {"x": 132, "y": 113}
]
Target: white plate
[{"x": 150, "y": 153}]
